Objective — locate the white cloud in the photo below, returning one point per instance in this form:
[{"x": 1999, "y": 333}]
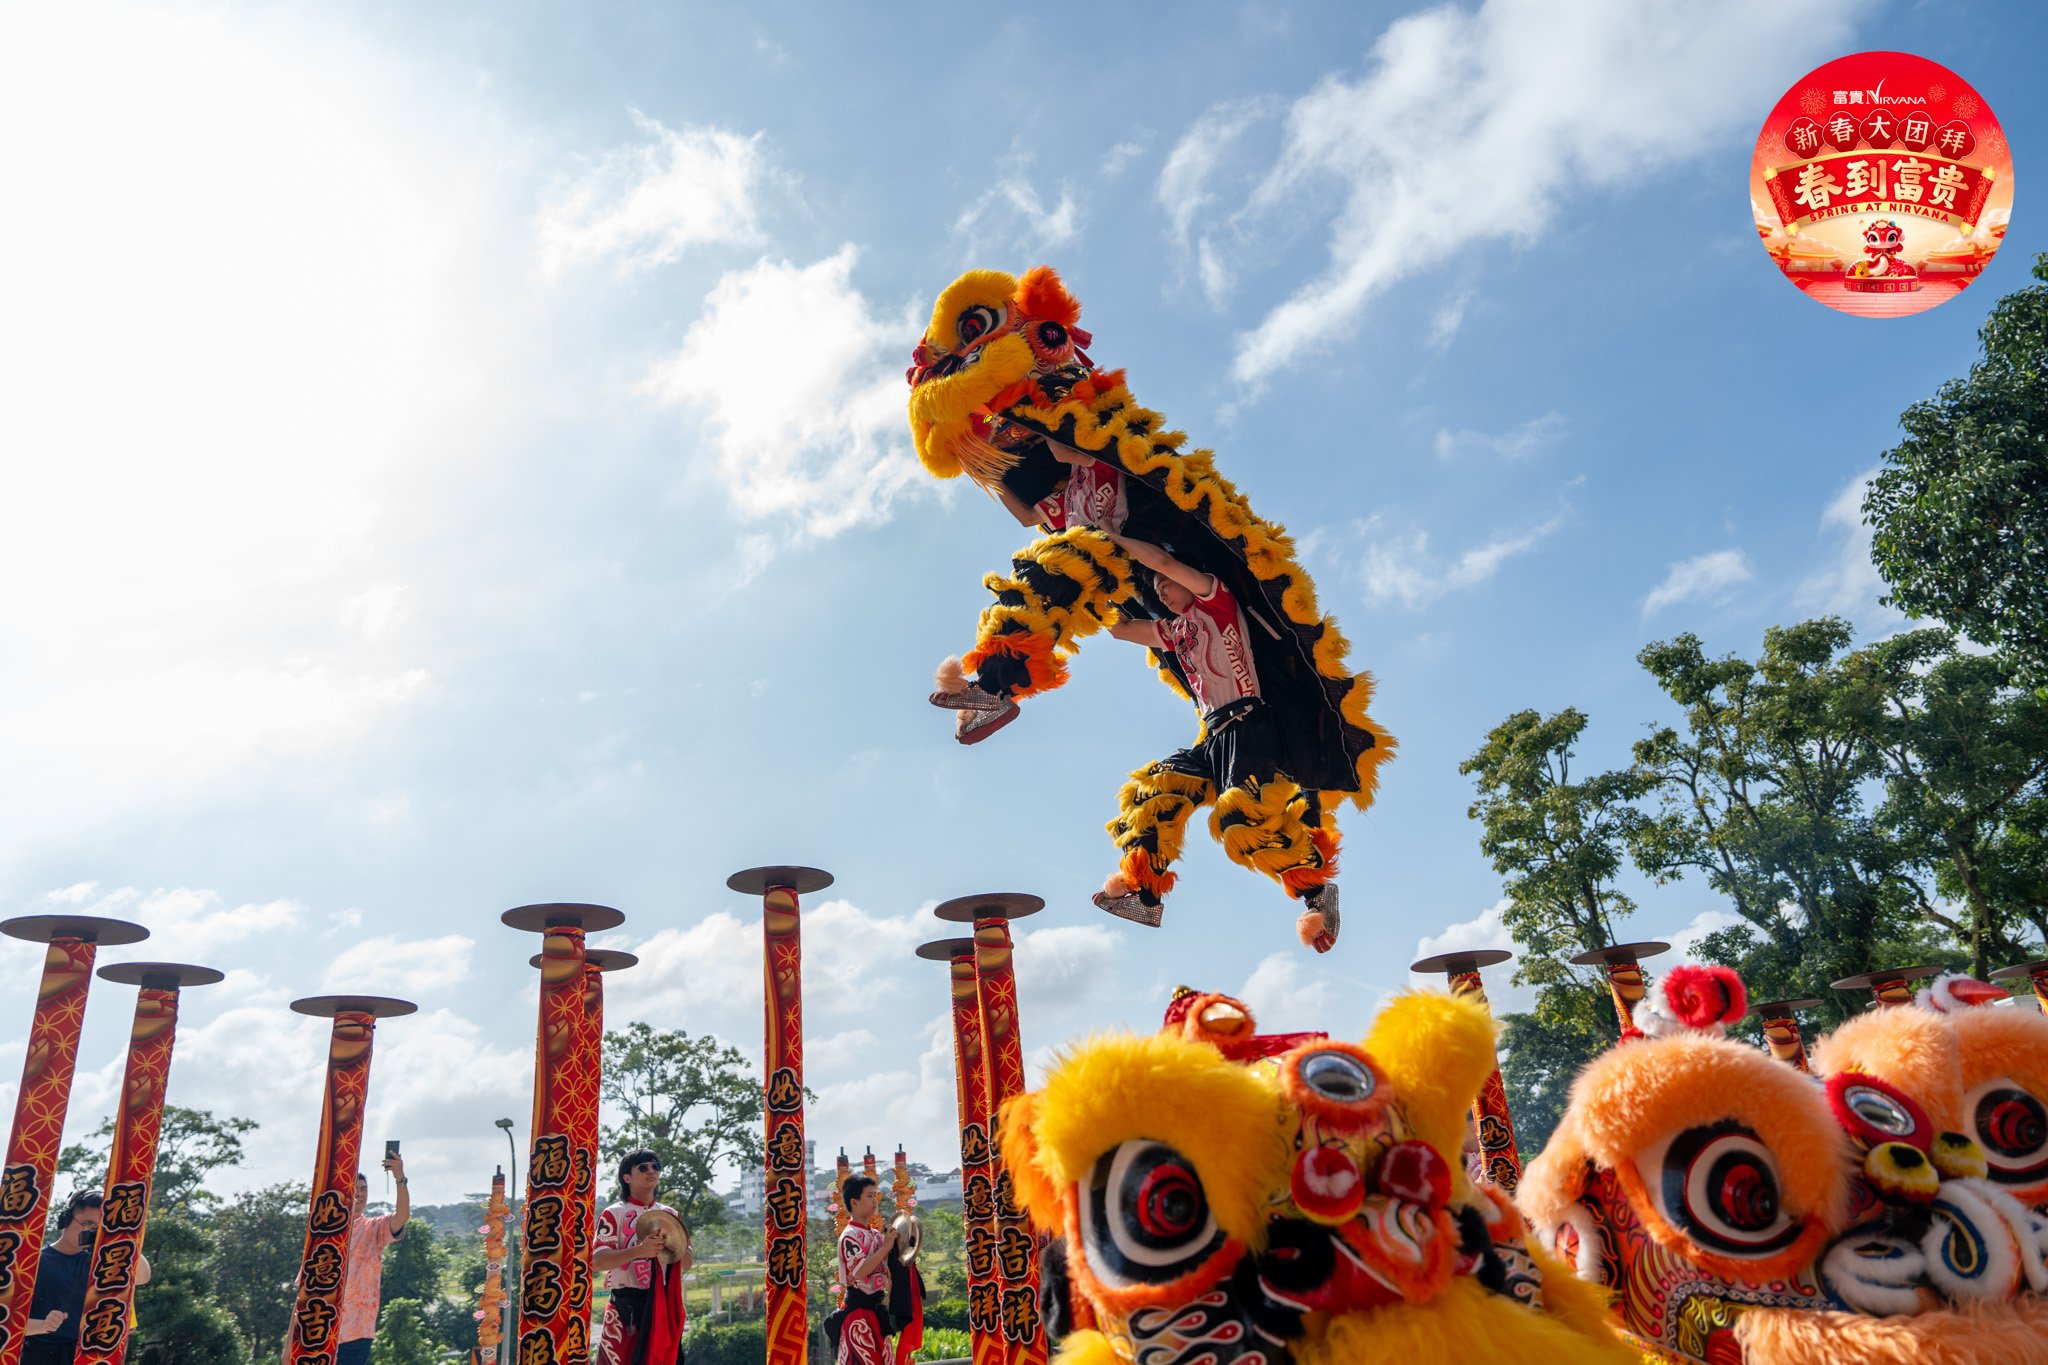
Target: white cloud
[
  {"x": 646, "y": 204},
  {"x": 800, "y": 385},
  {"x": 219, "y": 428},
  {"x": 1186, "y": 188},
  {"x": 1685, "y": 942},
  {"x": 1849, "y": 584},
  {"x": 1552, "y": 99},
  {"x": 1124, "y": 153},
  {"x": 185, "y": 924},
  {"x": 1284, "y": 998},
  {"x": 1011, "y": 216},
  {"x": 403, "y": 967},
  {"x": 1516, "y": 444},
  {"x": 1448, "y": 318},
  {"x": 1399, "y": 567},
  {"x": 1703, "y": 578}
]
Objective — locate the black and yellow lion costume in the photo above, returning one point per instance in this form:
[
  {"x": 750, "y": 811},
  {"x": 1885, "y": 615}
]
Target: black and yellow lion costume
[{"x": 998, "y": 375}]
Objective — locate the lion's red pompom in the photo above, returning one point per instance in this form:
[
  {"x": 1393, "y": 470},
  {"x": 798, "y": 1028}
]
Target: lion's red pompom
[{"x": 1703, "y": 994}]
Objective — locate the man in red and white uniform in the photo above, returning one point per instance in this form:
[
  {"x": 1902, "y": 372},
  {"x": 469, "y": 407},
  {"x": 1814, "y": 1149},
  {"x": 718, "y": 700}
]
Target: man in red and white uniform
[
  {"x": 645, "y": 1315},
  {"x": 1264, "y": 821},
  {"x": 858, "y": 1330}
]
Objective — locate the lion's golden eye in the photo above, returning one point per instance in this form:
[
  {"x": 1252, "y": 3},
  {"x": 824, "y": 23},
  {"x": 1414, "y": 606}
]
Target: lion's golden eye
[{"x": 977, "y": 322}]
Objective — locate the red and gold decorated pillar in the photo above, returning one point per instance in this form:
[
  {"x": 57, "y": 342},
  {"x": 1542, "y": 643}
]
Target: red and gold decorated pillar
[
  {"x": 902, "y": 1193},
  {"x": 323, "y": 1265},
  {"x": 840, "y": 1215},
  {"x": 2034, "y": 973},
  {"x": 869, "y": 1169},
  {"x": 782, "y": 1080},
  {"x": 1003, "y": 1043},
  {"x": 131, "y": 1164},
  {"x": 1625, "y": 983},
  {"x": 582, "y": 1080},
  {"x": 1780, "y": 1021},
  {"x": 1888, "y": 985},
  {"x": 977, "y": 1180},
  {"x": 553, "y": 1328},
  {"x": 490, "y": 1305},
  {"x": 39, "y": 1109},
  {"x": 1491, "y": 1120}
]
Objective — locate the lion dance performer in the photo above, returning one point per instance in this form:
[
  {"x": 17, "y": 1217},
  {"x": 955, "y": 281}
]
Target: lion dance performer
[
  {"x": 1741, "y": 1212},
  {"x": 1002, "y": 392},
  {"x": 859, "y": 1329},
  {"x": 1221, "y": 1195},
  {"x": 642, "y": 1248}
]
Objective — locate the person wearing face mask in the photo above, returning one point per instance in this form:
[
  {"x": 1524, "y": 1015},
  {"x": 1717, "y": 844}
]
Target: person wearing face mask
[{"x": 61, "y": 1279}]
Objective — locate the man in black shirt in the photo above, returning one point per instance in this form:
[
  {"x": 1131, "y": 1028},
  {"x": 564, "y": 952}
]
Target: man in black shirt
[{"x": 61, "y": 1278}]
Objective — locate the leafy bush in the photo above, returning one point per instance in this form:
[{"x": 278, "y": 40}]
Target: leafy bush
[
  {"x": 944, "y": 1343},
  {"x": 947, "y": 1314},
  {"x": 739, "y": 1343}
]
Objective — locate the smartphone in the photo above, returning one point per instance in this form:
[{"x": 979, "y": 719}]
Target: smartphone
[{"x": 390, "y": 1148}]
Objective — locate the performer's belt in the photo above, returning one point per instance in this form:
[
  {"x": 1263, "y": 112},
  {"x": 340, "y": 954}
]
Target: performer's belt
[{"x": 1229, "y": 714}]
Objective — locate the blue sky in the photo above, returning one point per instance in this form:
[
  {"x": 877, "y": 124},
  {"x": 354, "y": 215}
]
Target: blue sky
[{"x": 457, "y": 460}]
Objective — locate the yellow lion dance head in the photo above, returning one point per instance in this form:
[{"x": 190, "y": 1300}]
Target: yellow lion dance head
[{"x": 1305, "y": 1207}]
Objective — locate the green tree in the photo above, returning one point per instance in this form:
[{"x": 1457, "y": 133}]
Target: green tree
[
  {"x": 1960, "y": 522},
  {"x": 258, "y": 1238},
  {"x": 693, "y": 1102},
  {"x": 403, "y": 1339},
  {"x": 1963, "y": 751},
  {"x": 1764, "y": 793},
  {"x": 178, "y": 1321},
  {"x": 192, "y": 1144},
  {"x": 1558, "y": 844}
]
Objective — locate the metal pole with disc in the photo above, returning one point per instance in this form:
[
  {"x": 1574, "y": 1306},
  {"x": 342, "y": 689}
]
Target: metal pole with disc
[
  {"x": 323, "y": 1265},
  {"x": 782, "y": 1005},
  {"x": 2036, "y": 974},
  {"x": 977, "y": 1180},
  {"x": 996, "y": 985},
  {"x": 583, "y": 1093},
  {"x": 131, "y": 1164},
  {"x": 45, "y": 1095},
  {"x": 1625, "y": 986},
  {"x": 552, "y": 1329},
  {"x": 1780, "y": 1020},
  {"x": 1888, "y": 985},
  {"x": 1491, "y": 1120}
]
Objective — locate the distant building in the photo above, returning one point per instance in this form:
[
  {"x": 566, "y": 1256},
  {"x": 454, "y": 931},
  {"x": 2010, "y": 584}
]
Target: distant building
[
  {"x": 752, "y": 1197},
  {"x": 938, "y": 1188}
]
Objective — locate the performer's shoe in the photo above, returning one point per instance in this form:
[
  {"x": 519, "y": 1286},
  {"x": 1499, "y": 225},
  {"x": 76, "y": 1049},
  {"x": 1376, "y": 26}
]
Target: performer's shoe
[
  {"x": 1317, "y": 925},
  {"x": 1131, "y": 906},
  {"x": 977, "y": 725}
]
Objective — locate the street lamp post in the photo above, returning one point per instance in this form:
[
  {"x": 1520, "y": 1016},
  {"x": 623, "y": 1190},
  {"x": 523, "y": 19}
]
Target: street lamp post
[{"x": 511, "y": 1243}]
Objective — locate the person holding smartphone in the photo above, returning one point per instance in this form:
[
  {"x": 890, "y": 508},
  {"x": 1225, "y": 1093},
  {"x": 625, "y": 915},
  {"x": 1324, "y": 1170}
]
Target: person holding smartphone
[{"x": 368, "y": 1240}]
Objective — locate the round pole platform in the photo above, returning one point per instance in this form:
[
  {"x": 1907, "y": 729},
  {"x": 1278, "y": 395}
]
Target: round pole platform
[
  {"x": 1620, "y": 952},
  {"x": 538, "y": 919},
  {"x": 759, "y": 881},
  {"x": 1890, "y": 985},
  {"x": 85, "y": 928},
  {"x": 376, "y": 1006},
  {"x": 1783, "y": 1009},
  {"x": 1005, "y": 905},
  {"x": 160, "y": 976},
  {"x": 945, "y": 949},
  {"x": 604, "y": 959},
  {"x": 1469, "y": 960}
]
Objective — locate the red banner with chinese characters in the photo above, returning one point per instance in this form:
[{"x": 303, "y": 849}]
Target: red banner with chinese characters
[
  {"x": 316, "y": 1320},
  {"x": 1495, "y": 1125},
  {"x": 977, "y": 1178},
  {"x": 1895, "y": 183},
  {"x": 38, "y": 1129},
  {"x": 789, "y": 1322},
  {"x": 1016, "y": 1251},
  {"x": 582, "y": 1076},
  {"x": 131, "y": 1166},
  {"x": 550, "y": 1331}
]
